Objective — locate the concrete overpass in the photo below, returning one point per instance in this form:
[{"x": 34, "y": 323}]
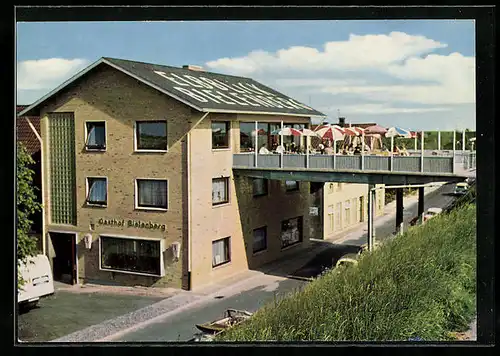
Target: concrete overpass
[
  {"x": 390, "y": 170},
  {"x": 395, "y": 171}
]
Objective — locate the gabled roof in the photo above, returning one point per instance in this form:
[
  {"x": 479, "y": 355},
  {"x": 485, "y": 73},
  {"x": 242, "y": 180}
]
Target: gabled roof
[{"x": 203, "y": 91}]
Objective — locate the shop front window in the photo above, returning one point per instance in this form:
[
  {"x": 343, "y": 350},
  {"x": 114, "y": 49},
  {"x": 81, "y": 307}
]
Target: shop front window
[{"x": 130, "y": 255}]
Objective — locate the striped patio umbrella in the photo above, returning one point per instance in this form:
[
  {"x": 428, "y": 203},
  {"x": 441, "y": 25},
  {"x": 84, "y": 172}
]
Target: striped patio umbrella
[
  {"x": 353, "y": 131},
  {"x": 333, "y": 132},
  {"x": 398, "y": 132},
  {"x": 375, "y": 129},
  {"x": 308, "y": 132},
  {"x": 287, "y": 131}
]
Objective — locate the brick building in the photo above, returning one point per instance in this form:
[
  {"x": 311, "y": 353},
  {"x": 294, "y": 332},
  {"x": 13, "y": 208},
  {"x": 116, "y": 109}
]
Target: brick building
[{"x": 139, "y": 188}]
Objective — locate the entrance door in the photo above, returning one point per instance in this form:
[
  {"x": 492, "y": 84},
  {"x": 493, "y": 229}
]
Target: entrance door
[
  {"x": 64, "y": 257},
  {"x": 361, "y": 208}
]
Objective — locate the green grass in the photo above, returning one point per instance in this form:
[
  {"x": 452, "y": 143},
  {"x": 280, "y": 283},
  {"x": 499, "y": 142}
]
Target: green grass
[
  {"x": 420, "y": 284},
  {"x": 66, "y": 312}
]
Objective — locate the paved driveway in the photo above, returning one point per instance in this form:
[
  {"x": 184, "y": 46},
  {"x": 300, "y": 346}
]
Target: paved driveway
[{"x": 67, "y": 311}]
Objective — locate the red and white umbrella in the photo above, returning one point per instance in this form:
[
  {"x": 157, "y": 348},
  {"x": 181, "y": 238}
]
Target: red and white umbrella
[
  {"x": 375, "y": 129},
  {"x": 307, "y": 132},
  {"x": 353, "y": 131},
  {"x": 287, "y": 131},
  {"x": 333, "y": 132}
]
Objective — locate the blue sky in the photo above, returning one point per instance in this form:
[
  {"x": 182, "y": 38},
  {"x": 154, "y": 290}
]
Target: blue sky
[{"x": 363, "y": 91}]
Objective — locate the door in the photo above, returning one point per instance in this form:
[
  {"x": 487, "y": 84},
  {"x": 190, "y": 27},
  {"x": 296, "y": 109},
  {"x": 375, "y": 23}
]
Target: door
[
  {"x": 64, "y": 257},
  {"x": 361, "y": 209}
]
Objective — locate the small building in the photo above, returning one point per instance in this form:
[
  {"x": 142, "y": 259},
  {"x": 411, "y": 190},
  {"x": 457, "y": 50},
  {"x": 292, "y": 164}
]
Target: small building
[
  {"x": 345, "y": 206},
  {"x": 139, "y": 187}
]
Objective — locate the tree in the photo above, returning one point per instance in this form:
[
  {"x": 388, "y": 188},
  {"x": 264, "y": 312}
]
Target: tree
[{"x": 26, "y": 207}]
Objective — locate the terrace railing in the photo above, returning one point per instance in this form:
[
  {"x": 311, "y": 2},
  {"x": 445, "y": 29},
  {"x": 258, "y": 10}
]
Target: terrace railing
[{"x": 429, "y": 164}]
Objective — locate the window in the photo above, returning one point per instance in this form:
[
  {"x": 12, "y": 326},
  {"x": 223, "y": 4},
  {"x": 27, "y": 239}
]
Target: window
[
  {"x": 260, "y": 186},
  {"x": 259, "y": 239},
  {"x": 354, "y": 209},
  {"x": 221, "y": 252},
  {"x": 220, "y": 134},
  {"x": 291, "y": 231},
  {"x": 331, "y": 217},
  {"x": 97, "y": 191},
  {"x": 361, "y": 208},
  {"x": 338, "y": 216},
  {"x": 152, "y": 193},
  {"x": 347, "y": 214},
  {"x": 131, "y": 255},
  {"x": 151, "y": 135},
  {"x": 220, "y": 190},
  {"x": 96, "y": 135},
  {"x": 291, "y": 185}
]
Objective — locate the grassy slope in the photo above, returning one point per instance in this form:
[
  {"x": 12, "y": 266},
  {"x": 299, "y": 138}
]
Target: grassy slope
[{"x": 420, "y": 284}]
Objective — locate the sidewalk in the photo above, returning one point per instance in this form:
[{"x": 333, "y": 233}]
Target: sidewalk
[{"x": 268, "y": 276}]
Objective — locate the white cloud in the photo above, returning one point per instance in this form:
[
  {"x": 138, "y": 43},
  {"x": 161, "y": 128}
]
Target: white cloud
[
  {"x": 394, "y": 74},
  {"x": 377, "y": 109},
  {"x": 46, "y": 73}
]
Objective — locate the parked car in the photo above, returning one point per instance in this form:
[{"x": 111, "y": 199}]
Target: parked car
[
  {"x": 432, "y": 212},
  {"x": 461, "y": 189},
  {"x": 351, "y": 259}
]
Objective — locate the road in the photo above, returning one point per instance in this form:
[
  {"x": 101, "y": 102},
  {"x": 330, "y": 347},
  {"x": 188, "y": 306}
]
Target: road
[
  {"x": 181, "y": 327},
  {"x": 440, "y": 198}
]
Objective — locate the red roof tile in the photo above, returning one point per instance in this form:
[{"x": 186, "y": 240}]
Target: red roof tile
[{"x": 26, "y": 135}]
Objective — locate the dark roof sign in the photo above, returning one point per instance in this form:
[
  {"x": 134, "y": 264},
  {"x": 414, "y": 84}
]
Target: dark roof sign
[{"x": 206, "y": 91}]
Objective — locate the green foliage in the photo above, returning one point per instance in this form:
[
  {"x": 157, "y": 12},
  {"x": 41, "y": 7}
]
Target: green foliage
[
  {"x": 26, "y": 206},
  {"x": 421, "y": 284},
  {"x": 390, "y": 193},
  {"x": 431, "y": 140}
]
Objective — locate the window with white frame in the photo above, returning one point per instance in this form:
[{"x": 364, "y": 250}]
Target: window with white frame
[
  {"x": 354, "y": 209},
  {"x": 221, "y": 253},
  {"x": 338, "y": 216},
  {"x": 291, "y": 185},
  {"x": 97, "y": 191},
  {"x": 291, "y": 231},
  {"x": 260, "y": 239},
  {"x": 347, "y": 213},
  {"x": 331, "y": 217},
  {"x": 260, "y": 186},
  {"x": 96, "y": 135},
  {"x": 152, "y": 193},
  {"x": 151, "y": 135},
  {"x": 220, "y": 190},
  {"x": 131, "y": 255}
]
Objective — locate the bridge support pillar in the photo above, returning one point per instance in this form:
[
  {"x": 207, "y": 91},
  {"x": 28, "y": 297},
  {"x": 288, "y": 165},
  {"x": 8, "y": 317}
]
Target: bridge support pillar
[
  {"x": 421, "y": 204},
  {"x": 399, "y": 210},
  {"x": 371, "y": 216}
]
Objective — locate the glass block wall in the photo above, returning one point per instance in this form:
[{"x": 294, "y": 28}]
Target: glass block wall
[{"x": 62, "y": 168}]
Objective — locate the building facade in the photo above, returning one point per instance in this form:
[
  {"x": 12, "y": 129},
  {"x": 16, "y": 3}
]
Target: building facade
[
  {"x": 346, "y": 206},
  {"x": 138, "y": 181}
]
